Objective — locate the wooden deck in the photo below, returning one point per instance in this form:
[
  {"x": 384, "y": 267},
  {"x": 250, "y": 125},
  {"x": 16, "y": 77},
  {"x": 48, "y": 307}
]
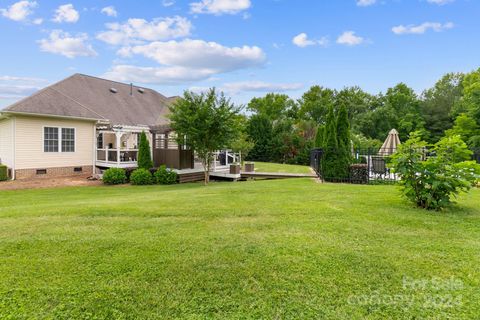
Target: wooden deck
[
  {"x": 192, "y": 175},
  {"x": 275, "y": 175}
]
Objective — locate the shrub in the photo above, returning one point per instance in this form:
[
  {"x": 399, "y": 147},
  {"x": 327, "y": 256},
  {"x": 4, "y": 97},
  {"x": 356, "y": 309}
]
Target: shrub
[
  {"x": 359, "y": 173},
  {"x": 144, "y": 156},
  {"x": 165, "y": 176},
  {"x": 114, "y": 176},
  {"x": 3, "y": 172},
  {"x": 141, "y": 177},
  {"x": 431, "y": 183}
]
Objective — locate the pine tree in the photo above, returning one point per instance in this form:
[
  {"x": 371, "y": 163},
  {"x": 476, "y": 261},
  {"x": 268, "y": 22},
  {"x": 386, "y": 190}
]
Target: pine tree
[
  {"x": 320, "y": 137},
  {"x": 144, "y": 155},
  {"x": 330, "y": 146},
  {"x": 344, "y": 157}
]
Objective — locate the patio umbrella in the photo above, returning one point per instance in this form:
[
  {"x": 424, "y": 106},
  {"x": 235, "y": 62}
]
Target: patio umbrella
[{"x": 391, "y": 144}]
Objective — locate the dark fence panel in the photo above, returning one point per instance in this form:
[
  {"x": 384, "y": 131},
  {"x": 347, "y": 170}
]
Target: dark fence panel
[{"x": 364, "y": 166}]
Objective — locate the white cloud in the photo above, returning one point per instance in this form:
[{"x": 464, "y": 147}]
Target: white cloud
[
  {"x": 303, "y": 41},
  {"x": 199, "y": 54},
  {"x": 422, "y": 28},
  {"x": 185, "y": 61},
  {"x": 109, "y": 11},
  {"x": 66, "y": 13},
  {"x": 219, "y": 7},
  {"x": 19, "y": 11},
  {"x": 37, "y": 21},
  {"x": 168, "y": 3},
  {"x": 440, "y": 2},
  {"x": 349, "y": 38},
  {"x": 259, "y": 86},
  {"x": 63, "y": 43},
  {"x": 140, "y": 30},
  {"x": 365, "y": 3},
  {"x": 156, "y": 75},
  {"x": 18, "y": 87}
]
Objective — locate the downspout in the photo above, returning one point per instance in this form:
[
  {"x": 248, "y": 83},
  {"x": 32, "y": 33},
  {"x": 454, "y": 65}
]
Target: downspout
[
  {"x": 94, "y": 164},
  {"x": 14, "y": 120}
]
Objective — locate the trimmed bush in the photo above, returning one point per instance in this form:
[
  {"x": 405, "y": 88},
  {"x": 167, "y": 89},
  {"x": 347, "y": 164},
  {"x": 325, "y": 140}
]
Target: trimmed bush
[
  {"x": 359, "y": 173},
  {"x": 3, "y": 172},
  {"x": 165, "y": 176},
  {"x": 141, "y": 177},
  {"x": 114, "y": 176},
  {"x": 144, "y": 156}
]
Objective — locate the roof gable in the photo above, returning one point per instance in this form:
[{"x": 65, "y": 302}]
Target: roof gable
[{"x": 83, "y": 96}]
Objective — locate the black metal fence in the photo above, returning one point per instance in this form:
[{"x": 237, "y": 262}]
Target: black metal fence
[{"x": 364, "y": 166}]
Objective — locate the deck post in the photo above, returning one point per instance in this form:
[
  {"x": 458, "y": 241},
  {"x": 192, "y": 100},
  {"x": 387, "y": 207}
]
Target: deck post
[{"x": 118, "y": 135}]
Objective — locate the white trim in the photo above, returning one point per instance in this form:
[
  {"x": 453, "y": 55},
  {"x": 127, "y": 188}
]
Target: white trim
[{"x": 51, "y": 116}]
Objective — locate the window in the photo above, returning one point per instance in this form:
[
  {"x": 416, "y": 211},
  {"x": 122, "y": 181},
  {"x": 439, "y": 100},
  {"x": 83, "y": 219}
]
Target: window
[
  {"x": 50, "y": 142},
  {"x": 68, "y": 140},
  {"x": 42, "y": 171},
  {"x": 58, "y": 139}
]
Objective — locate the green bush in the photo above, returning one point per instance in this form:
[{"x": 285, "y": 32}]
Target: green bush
[
  {"x": 3, "y": 172},
  {"x": 144, "y": 156},
  {"x": 432, "y": 183},
  {"x": 141, "y": 177},
  {"x": 165, "y": 176},
  {"x": 114, "y": 176}
]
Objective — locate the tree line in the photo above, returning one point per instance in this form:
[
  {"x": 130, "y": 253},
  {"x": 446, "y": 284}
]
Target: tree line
[{"x": 282, "y": 129}]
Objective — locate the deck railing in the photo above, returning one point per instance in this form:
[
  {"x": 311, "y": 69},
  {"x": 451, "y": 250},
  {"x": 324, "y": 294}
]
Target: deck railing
[{"x": 112, "y": 155}]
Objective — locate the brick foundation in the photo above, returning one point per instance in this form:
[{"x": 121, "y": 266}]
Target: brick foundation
[{"x": 52, "y": 172}]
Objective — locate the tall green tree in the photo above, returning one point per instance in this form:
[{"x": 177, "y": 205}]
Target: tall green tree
[
  {"x": 273, "y": 106},
  {"x": 208, "y": 120},
  {"x": 260, "y": 132},
  {"x": 467, "y": 129},
  {"x": 344, "y": 153},
  {"x": 330, "y": 146},
  {"x": 315, "y": 103},
  {"x": 404, "y": 106},
  {"x": 144, "y": 153},
  {"x": 470, "y": 102},
  {"x": 320, "y": 137},
  {"x": 438, "y": 104}
]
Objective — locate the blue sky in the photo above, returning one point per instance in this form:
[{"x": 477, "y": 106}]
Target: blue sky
[{"x": 244, "y": 47}]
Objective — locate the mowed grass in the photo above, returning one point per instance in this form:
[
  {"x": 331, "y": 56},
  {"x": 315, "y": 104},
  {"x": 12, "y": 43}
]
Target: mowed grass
[
  {"x": 280, "y": 168},
  {"x": 284, "y": 249}
]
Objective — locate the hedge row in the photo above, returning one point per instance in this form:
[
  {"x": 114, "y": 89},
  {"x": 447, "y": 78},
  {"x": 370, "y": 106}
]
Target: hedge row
[{"x": 138, "y": 177}]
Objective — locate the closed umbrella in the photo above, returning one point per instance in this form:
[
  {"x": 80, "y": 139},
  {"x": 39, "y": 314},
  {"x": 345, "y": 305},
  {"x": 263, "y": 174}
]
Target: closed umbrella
[{"x": 391, "y": 144}]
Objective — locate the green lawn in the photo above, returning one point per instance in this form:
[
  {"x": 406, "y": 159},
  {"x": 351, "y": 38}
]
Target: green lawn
[
  {"x": 283, "y": 249},
  {"x": 280, "y": 168}
]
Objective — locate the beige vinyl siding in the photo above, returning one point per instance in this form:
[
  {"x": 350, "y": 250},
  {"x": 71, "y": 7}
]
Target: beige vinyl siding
[
  {"x": 29, "y": 153},
  {"x": 6, "y": 142}
]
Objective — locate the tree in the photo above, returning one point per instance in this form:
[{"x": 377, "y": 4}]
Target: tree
[
  {"x": 209, "y": 121},
  {"x": 467, "y": 129},
  {"x": 320, "y": 137},
  {"x": 315, "y": 103},
  {"x": 273, "y": 106},
  {"x": 470, "y": 102},
  {"x": 344, "y": 154},
  {"x": 144, "y": 154},
  {"x": 242, "y": 145},
  {"x": 330, "y": 146},
  {"x": 403, "y": 104},
  {"x": 438, "y": 104},
  {"x": 260, "y": 132}
]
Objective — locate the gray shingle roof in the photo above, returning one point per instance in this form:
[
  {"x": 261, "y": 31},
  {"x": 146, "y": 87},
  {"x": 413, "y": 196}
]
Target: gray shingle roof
[{"x": 89, "y": 97}]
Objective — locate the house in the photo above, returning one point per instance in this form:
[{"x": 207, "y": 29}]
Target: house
[{"x": 82, "y": 124}]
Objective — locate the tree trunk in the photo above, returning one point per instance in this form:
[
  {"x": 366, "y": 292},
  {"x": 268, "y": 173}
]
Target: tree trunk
[{"x": 206, "y": 169}]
